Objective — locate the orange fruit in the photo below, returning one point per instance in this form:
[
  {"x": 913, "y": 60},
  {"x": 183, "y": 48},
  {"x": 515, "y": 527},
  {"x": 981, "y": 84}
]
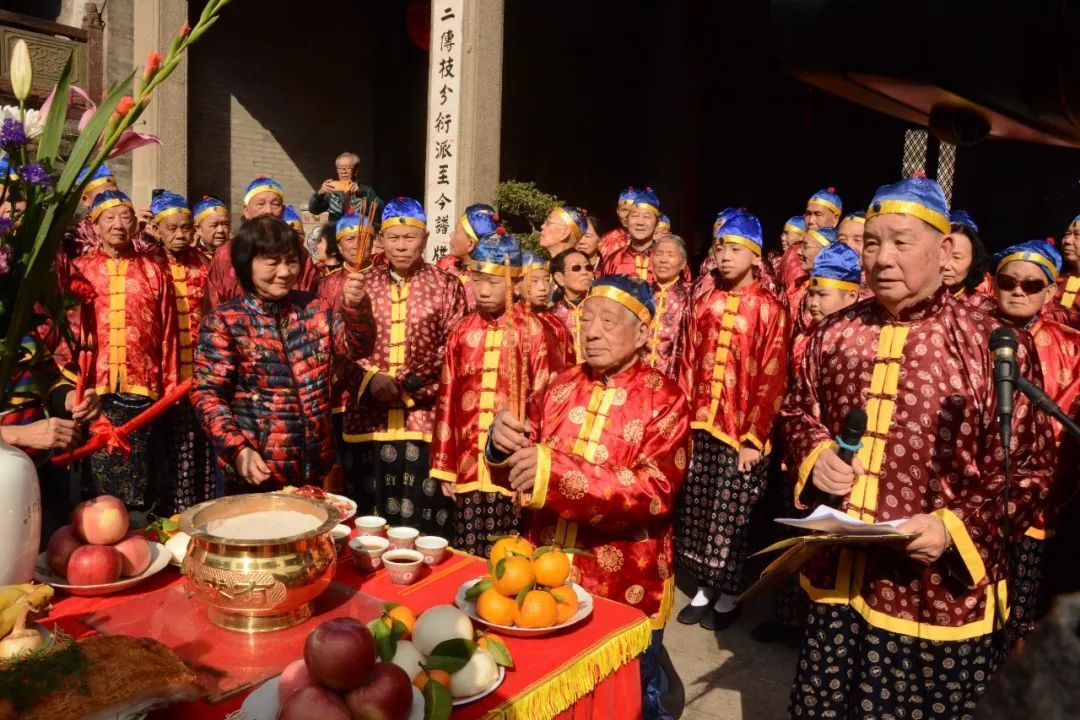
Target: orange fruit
[
  {"x": 552, "y": 568},
  {"x": 517, "y": 575},
  {"x": 566, "y": 602},
  {"x": 440, "y": 676},
  {"x": 405, "y": 615},
  {"x": 514, "y": 543},
  {"x": 494, "y": 607},
  {"x": 538, "y": 610}
]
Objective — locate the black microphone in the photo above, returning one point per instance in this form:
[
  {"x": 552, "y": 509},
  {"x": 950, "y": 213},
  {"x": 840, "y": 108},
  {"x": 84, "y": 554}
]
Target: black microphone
[
  {"x": 412, "y": 383},
  {"x": 1003, "y": 348},
  {"x": 849, "y": 440},
  {"x": 1044, "y": 402}
]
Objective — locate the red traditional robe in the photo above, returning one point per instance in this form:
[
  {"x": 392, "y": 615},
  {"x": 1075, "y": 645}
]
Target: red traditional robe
[
  {"x": 414, "y": 317},
  {"x": 188, "y": 270},
  {"x": 1058, "y": 347},
  {"x": 475, "y": 385},
  {"x": 670, "y": 324},
  {"x": 613, "y": 241},
  {"x": 612, "y": 455},
  {"x": 132, "y": 320},
  {"x": 221, "y": 284},
  {"x": 570, "y": 316},
  {"x": 734, "y": 369},
  {"x": 932, "y": 446},
  {"x": 1064, "y": 309},
  {"x": 345, "y": 374},
  {"x": 794, "y": 298},
  {"x": 633, "y": 262},
  {"x": 457, "y": 267},
  {"x": 560, "y": 341}
]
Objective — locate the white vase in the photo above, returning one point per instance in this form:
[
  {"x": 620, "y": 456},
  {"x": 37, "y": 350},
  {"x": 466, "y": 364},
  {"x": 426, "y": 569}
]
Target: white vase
[{"x": 20, "y": 515}]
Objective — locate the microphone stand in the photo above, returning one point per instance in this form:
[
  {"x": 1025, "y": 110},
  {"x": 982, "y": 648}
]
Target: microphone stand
[{"x": 1042, "y": 401}]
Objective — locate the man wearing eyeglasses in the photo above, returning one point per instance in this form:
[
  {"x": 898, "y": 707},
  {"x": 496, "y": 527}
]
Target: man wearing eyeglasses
[
  {"x": 1023, "y": 283},
  {"x": 337, "y": 196}
]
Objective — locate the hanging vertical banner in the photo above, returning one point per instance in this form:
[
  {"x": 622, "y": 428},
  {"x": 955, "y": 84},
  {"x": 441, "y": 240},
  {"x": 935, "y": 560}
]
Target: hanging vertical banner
[{"x": 444, "y": 123}]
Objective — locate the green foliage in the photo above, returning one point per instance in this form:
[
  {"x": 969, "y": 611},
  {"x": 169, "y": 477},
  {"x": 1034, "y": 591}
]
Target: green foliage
[{"x": 522, "y": 203}]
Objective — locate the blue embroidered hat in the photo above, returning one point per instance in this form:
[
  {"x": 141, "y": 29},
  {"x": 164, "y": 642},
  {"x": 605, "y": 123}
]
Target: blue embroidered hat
[
  {"x": 827, "y": 198},
  {"x": 963, "y": 219},
  {"x": 633, "y": 294},
  {"x": 108, "y": 199},
  {"x": 263, "y": 184},
  {"x": 575, "y": 219},
  {"x": 101, "y": 176},
  {"x": 493, "y": 251},
  {"x": 647, "y": 200},
  {"x": 837, "y": 266},
  {"x": 822, "y": 236},
  {"x": 168, "y": 203},
  {"x": 349, "y": 224},
  {"x": 532, "y": 261},
  {"x": 404, "y": 211},
  {"x": 918, "y": 196},
  {"x": 795, "y": 224},
  {"x": 293, "y": 218},
  {"x": 206, "y": 205},
  {"x": 1040, "y": 252},
  {"x": 722, "y": 217},
  {"x": 479, "y": 220},
  {"x": 858, "y": 216},
  {"x": 741, "y": 228},
  {"x": 626, "y": 197},
  {"x": 663, "y": 222}
]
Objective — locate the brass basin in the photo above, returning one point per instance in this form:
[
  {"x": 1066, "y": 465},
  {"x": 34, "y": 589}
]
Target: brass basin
[{"x": 257, "y": 586}]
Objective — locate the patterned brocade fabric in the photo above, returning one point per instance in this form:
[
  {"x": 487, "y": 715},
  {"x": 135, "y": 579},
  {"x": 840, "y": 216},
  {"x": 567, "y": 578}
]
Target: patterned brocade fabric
[
  {"x": 475, "y": 386},
  {"x": 669, "y": 328},
  {"x": 932, "y": 446},
  {"x": 456, "y": 266},
  {"x": 735, "y": 365},
  {"x": 613, "y": 454},
  {"x": 133, "y": 322},
  {"x": 413, "y": 320},
  {"x": 188, "y": 270}
]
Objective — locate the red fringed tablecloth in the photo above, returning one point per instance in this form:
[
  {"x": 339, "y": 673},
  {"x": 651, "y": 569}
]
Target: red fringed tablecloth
[{"x": 589, "y": 671}]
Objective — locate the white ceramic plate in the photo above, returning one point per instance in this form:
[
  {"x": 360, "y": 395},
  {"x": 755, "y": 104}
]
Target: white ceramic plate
[
  {"x": 159, "y": 558},
  {"x": 262, "y": 704},
  {"x": 585, "y": 607},
  {"x": 347, "y": 506},
  {"x": 483, "y": 693}
]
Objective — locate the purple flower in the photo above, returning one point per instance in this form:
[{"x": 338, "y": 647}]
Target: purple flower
[
  {"x": 6, "y": 224},
  {"x": 5, "y": 259},
  {"x": 12, "y": 134},
  {"x": 34, "y": 174}
]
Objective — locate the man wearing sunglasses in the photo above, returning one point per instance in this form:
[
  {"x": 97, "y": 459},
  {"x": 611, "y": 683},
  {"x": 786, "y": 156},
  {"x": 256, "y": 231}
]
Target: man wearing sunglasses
[
  {"x": 574, "y": 276},
  {"x": 1024, "y": 282}
]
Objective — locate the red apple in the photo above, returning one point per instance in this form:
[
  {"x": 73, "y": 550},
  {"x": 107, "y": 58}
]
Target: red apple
[
  {"x": 387, "y": 695},
  {"x": 339, "y": 653},
  {"x": 94, "y": 565},
  {"x": 101, "y": 521},
  {"x": 62, "y": 543},
  {"x": 293, "y": 677},
  {"x": 312, "y": 702},
  {"x": 136, "y": 554}
]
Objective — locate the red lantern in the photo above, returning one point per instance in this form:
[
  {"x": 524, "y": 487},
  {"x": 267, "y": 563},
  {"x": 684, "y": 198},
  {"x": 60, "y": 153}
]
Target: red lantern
[{"x": 418, "y": 23}]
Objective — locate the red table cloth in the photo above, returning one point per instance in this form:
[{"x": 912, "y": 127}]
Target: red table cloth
[{"x": 588, "y": 671}]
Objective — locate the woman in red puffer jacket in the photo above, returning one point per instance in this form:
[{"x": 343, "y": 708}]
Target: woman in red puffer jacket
[{"x": 262, "y": 375}]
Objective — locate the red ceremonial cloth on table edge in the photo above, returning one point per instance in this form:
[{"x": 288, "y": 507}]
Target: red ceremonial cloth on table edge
[{"x": 583, "y": 672}]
